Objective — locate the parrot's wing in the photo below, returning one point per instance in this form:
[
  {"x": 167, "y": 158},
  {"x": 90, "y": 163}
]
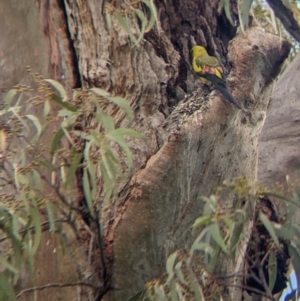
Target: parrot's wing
[
  {"x": 206, "y": 60},
  {"x": 208, "y": 65}
]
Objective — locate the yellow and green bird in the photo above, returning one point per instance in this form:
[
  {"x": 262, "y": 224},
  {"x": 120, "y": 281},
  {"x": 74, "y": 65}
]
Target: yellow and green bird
[{"x": 209, "y": 69}]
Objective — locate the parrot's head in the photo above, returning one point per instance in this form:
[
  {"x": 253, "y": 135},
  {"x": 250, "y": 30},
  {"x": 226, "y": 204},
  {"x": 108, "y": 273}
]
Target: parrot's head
[{"x": 198, "y": 51}]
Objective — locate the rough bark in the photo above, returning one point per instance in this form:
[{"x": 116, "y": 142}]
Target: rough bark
[
  {"x": 30, "y": 36},
  {"x": 278, "y": 147},
  {"x": 191, "y": 147},
  {"x": 211, "y": 143}
]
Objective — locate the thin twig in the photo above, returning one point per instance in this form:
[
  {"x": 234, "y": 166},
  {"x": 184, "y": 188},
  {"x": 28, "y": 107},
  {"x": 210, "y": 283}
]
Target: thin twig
[
  {"x": 59, "y": 285},
  {"x": 253, "y": 290}
]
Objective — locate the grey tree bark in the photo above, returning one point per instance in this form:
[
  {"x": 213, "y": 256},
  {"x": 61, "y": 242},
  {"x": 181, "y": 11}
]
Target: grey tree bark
[
  {"x": 194, "y": 142},
  {"x": 278, "y": 147}
]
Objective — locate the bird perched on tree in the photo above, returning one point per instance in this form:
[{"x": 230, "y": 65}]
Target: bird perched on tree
[{"x": 209, "y": 70}]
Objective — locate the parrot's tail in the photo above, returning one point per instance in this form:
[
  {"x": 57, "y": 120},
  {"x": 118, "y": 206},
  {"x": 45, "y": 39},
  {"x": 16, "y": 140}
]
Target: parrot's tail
[
  {"x": 220, "y": 85},
  {"x": 222, "y": 88}
]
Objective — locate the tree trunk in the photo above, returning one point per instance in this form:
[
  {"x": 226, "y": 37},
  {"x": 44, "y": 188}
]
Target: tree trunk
[
  {"x": 194, "y": 141},
  {"x": 279, "y": 152}
]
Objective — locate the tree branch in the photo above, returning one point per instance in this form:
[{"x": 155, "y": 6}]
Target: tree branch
[
  {"x": 59, "y": 285},
  {"x": 286, "y": 17}
]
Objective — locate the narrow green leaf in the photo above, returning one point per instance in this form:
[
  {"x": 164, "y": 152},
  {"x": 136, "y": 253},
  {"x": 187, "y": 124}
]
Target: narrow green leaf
[
  {"x": 109, "y": 166},
  {"x": 87, "y": 191},
  {"x": 170, "y": 265},
  {"x": 173, "y": 291},
  {"x": 106, "y": 120},
  {"x": 7, "y": 265},
  {"x": 36, "y": 179},
  {"x": 216, "y": 234},
  {"x": 229, "y": 223},
  {"x": 153, "y": 14},
  {"x": 243, "y": 12},
  {"x": 70, "y": 120},
  {"x": 108, "y": 21},
  {"x": 64, "y": 113},
  {"x": 58, "y": 87},
  {"x": 72, "y": 169},
  {"x": 179, "y": 273},
  {"x": 90, "y": 166},
  {"x": 108, "y": 185},
  {"x": 92, "y": 173},
  {"x": 226, "y": 5},
  {"x": 25, "y": 202},
  {"x": 197, "y": 291},
  {"x": 269, "y": 226},
  {"x": 272, "y": 269},
  {"x": 30, "y": 258},
  {"x": 96, "y": 138},
  {"x": 121, "y": 132},
  {"x": 296, "y": 264},
  {"x": 200, "y": 221},
  {"x": 100, "y": 92},
  {"x": 195, "y": 243},
  {"x": 293, "y": 207},
  {"x": 125, "y": 24},
  {"x": 56, "y": 139},
  {"x": 15, "y": 226},
  {"x": 17, "y": 256},
  {"x": 210, "y": 205},
  {"x": 203, "y": 246},
  {"x": 46, "y": 108},
  {"x": 9, "y": 97},
  {"x": 211, "y": 259},
  {"x": 284, "y": 232},
  {"x": 235, "y": 238},
  {"x": 159, "y": 292},
  {"x": 122, "y": 103},
  {"x": 138, "y": 296},
  {"x": 144, "y": 23},
  {"x": 51, "y": 212},
  {"x": 36, "y": 223},
  {"x": 63, "y": 104},
  {"x": 6, "y": 290},
  {"x": 36, "y": 123},
  {"x": 123, "y": 145},
  {"x": 47, "y": 164}
]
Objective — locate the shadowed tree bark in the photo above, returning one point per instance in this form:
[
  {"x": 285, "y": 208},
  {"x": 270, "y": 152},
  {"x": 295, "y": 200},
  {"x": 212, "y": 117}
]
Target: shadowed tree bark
[{"x": 194, "y": 140}]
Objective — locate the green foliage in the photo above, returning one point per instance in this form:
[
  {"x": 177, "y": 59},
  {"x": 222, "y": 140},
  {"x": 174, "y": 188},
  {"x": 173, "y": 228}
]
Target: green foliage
[
  {"x": 265, "y": 17},
  {"x": 40, "y": 169},
  {"x": 190, "y": 274},
  {"x": 143, "y": 10}
]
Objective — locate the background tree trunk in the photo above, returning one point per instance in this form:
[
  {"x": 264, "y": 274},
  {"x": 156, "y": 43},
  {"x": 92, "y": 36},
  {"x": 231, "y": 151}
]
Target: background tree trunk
[
  {"x": 192, "y": 146},
  {"x": 278, "y": 147}
]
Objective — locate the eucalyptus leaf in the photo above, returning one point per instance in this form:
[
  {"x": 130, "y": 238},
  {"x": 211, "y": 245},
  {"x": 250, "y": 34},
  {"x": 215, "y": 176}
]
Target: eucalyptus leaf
[
  {"x": 216, "y": 234},
  {"x": 272, "y": 269},
  {"x": 36, "y": 223},
  {"x": 87, "y": 191},
  {"x": 170, "y": 266},
  {"x": 269, "y": 226},
  {"x": 58, "y": 86}
]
